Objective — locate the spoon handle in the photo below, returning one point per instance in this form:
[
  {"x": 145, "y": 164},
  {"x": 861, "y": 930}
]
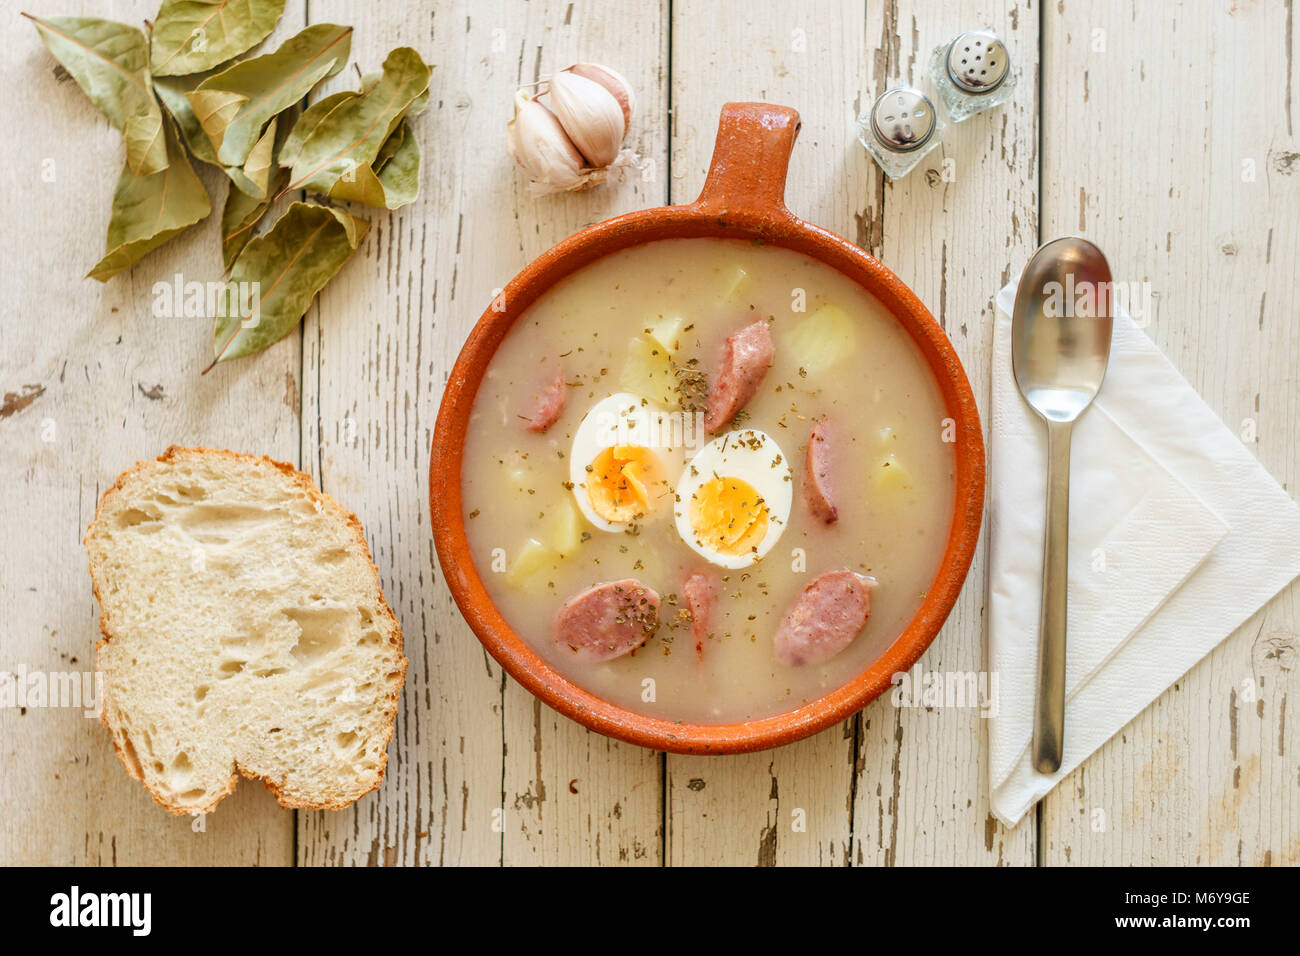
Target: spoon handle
[{"x": 1049, "y": 707}]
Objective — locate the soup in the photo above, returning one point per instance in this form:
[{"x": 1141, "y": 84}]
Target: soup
[{"x": 708, "y": 480}]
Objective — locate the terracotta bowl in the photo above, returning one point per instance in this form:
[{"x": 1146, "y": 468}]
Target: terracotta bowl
[{"x": 743, "y": 198}]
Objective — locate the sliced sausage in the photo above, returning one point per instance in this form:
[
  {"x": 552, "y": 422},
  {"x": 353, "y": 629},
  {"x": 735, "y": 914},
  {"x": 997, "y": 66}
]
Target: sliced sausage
[
  {"x": 816, "y": 474},
  {"x": 825, "y": 618},
  {"x": 701, "y": 594},
  {"x": 746, "y": 357},
  {"x": 608, "y": 620},
  {"x": 548, "y": 404}
]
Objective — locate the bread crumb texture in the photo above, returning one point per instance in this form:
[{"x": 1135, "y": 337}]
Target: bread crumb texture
[{"x": 244, "y": 632}]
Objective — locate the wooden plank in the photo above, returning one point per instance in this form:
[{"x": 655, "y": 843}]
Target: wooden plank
[
  {"x": 384, "y": 339},
  {"x": 1205, "y": 207},
  {"x": 573, "y": 797},
  {"x": 787, "y": 806},
  {"x": 381, "y": 339},
  {"x": 98, "y": 381},
  {"x": 954, "y": 230}
]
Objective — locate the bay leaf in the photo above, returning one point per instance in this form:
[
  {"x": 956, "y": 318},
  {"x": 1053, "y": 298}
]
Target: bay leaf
[
  {"x": 141, "y": 133},
  {"x": 110, "y": 62},
  {"x": 149, "y": 210},
  {"x": 308, "y": 121},
  {"x": 314, "y": 114},
  {"x": 239, "y": 217},
  {"x": 391, "y": 145},
  {"x": 393, "y": 186},
  {"x": 286, "y": 267},
  {"x": 250, "y": 194},
  {"x": 400, "y": 176},
  {"x": 172, "y": 91},
  {"x": 271, "y": 83},
  {"x": 352, "y": 134},
  {"x": 258, "y": 166},
  {"x": 192, "y": 36},
  {"x": 215, "y": 110},
  {"x": 418, "y": 105}
]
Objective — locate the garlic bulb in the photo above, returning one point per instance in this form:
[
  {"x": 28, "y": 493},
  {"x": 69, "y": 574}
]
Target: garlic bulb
[
  {"x": 540, "y": 146},
  {"x": 570, "y": 141}
]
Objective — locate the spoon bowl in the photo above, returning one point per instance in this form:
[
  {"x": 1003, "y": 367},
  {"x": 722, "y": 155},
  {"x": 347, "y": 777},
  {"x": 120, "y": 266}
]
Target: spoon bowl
[
  {"x": 1060, "y": 345},
  {"x": 1061, "y": 328}
]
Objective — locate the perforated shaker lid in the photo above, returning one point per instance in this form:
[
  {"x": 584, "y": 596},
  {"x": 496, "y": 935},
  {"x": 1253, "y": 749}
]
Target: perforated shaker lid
[
  {"x": 903, "y": 119},
  {"x": 978, "y": 61}
]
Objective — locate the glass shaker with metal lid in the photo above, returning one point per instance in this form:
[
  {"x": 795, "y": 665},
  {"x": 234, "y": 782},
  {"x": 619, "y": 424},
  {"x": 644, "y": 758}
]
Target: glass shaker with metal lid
[
  {"x": 899, "y": 129},
  {"x": 972, "y": 73}
]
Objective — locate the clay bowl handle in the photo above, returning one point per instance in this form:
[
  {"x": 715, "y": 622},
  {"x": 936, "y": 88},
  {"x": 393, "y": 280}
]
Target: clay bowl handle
[{"x": 746, "y": 178}]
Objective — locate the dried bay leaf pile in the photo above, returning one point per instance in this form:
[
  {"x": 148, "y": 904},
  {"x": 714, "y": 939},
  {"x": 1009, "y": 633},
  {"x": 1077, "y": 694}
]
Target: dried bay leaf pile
[{"x": 187, "y": 87}]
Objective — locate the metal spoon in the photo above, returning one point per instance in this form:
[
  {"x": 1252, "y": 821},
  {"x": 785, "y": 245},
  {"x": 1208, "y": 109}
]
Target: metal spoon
[{"x": 1060, "y": 342}]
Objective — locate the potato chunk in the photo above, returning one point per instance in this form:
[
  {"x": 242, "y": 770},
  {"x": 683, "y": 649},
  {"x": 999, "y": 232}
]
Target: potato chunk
[
  {"x": 528, "y": 571},
  {"x": 565, "y": 528},
  {"x": 822, "y": 339},
  {"x": 892, "y": 479},
  {"x": 668, "y": 333},
  {"x": 737, "y": 285},
  {"x": 648, "y": 372}
]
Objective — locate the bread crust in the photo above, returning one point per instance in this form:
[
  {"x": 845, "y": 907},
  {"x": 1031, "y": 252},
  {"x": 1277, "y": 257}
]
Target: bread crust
[{"x": 305, "y": 482}]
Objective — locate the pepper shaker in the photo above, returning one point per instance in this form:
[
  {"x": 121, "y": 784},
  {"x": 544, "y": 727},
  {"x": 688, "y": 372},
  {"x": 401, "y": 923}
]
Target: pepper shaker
[
  {"x": 899, "y": 129},
  {"x": 972, "y": 74}
]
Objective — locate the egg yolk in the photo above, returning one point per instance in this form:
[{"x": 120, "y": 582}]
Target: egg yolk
[
  {"x": 728, "y": 516},
  {"x": 618, "y": 482}
]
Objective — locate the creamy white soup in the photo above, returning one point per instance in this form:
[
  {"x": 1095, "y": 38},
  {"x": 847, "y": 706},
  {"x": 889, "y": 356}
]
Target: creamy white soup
[{"x": 640, "y": 496}]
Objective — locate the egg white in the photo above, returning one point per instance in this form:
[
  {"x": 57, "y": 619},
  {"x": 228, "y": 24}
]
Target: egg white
[
  {"x": 754, "y": 457},
  {"x": 623, "y": 418}
]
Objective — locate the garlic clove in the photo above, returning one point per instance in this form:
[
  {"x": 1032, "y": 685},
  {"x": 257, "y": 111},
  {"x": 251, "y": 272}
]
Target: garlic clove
[
  {"x": 590, "y": 114},
  {"x": 540, "y": 146},
  {"x": 612, "y": 81}
]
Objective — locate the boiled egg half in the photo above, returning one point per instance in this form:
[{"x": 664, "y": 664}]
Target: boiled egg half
[
  {"x": 625, "y": 458},
  {"x": 734, "y": 498}
]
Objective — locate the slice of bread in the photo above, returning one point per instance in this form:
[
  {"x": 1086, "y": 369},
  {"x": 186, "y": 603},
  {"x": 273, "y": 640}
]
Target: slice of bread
[{"x": 244, "y": 632}]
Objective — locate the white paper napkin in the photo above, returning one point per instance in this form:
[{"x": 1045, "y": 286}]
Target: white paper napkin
[{"x": 1177, "y": 536}]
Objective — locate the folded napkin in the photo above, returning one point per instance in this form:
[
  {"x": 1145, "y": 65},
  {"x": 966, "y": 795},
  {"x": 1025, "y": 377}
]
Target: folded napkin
[{"x": 1177, "y": 536}]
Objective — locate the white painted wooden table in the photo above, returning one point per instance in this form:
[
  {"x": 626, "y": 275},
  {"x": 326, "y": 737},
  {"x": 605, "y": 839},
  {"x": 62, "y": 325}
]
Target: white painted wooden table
[{"x": 1165, "y": 132}]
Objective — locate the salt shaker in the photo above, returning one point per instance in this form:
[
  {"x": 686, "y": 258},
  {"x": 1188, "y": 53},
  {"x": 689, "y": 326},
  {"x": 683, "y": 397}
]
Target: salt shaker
[
  {"x": 972, "y": 74},
  {"x": 899, "y": 129}
]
